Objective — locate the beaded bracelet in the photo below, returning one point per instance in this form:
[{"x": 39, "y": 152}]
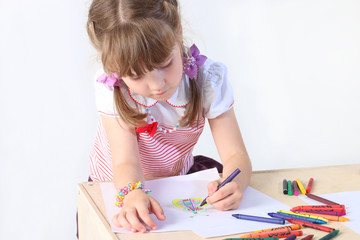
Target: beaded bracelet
[{"x": 125, "y": 191}]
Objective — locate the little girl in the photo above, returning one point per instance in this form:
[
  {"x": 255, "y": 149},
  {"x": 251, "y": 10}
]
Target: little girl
[{"x": 153, "y": 96}]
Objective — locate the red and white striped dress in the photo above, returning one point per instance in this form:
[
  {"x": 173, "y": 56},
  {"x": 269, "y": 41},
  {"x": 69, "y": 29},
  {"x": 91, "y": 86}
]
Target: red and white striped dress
[{"x": 163, "y": 154}]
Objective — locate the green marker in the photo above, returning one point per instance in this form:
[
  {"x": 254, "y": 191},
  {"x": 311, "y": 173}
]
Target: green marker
[
  {"x": 330, "y": 235},
  {"x": 290, "y": 188}
]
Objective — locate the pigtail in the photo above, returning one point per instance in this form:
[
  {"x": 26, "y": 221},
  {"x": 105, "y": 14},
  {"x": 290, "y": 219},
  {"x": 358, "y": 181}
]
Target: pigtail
[
  {"x": 131, "y": 116},
  {"x": 91, "y": 32},
  {"x": 194, "y": 108}
]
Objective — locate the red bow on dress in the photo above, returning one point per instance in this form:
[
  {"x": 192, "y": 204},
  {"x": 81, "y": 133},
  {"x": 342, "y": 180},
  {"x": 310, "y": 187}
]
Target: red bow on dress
[{"x": 150, "y": 128}]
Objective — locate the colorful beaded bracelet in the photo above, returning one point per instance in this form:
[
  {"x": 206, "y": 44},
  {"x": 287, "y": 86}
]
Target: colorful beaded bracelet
[{"x": 124, "y": 191}]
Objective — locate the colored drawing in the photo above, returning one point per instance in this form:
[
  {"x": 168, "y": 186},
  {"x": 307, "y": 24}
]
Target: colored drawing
[{"x": 191, "y": 205}]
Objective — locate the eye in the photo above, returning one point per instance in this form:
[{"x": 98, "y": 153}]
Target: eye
[
  {"x": 135, "y": 78},
  {"x": 167, "y": 65}
]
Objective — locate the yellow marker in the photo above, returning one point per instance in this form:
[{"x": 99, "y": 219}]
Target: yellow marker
[
  {"x": 301, "y": 187},
  {"x": 304, "y": 215}
]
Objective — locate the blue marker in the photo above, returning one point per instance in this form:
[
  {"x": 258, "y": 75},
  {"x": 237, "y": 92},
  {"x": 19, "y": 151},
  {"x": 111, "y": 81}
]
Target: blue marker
[{"x": 305, "y": 219}]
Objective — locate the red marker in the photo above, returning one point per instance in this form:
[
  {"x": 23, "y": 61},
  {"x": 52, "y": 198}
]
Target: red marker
[
  {"x": 309, "y": 186},
  {"x": 308, "y": 237},
  {"x": 331, "y": 208},
  {"x": 320, "y": 199},
  {"x": 311, "y": 225}
]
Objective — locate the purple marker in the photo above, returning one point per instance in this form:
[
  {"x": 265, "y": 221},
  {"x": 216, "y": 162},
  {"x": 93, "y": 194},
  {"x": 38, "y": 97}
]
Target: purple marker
[
  {"x": 296, "y": 188},
  {"x": 229, "y": 179},
  {"x": 259, "y": 219},
  {"x": 291, "y": 237},
  {"x": 324, "y": 212}
]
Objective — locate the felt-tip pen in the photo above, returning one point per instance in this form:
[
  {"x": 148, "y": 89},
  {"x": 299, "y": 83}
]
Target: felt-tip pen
[
  {"x": 259, "y": 219},
  {"x": 227, "y": 180},
  {"x": 284, "y": 216}
]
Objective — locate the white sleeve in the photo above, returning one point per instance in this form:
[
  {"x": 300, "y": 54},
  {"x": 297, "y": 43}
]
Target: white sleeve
[
  {"x": 104, "y": 95},
  {"x": 217, "y": 92}
]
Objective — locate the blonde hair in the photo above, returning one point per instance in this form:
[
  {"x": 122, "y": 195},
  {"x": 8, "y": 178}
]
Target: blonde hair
[{"x": 136, "y": 36}]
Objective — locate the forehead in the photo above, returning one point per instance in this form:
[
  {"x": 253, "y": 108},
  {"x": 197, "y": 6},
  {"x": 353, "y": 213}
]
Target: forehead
[{"x": 175, "y": 53}]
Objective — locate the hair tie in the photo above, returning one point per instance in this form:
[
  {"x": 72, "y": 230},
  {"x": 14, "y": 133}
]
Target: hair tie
[
  {"x": 113, "y": 81},
  {"x": 192, "y": 61}
]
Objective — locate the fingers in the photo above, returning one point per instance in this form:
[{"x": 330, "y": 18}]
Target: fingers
[
  {"x": 119, "y": 220},
  {"x": 145, "y": 217},
  {"x": 134, "y": 221},
  {"x": 226, "y": 198},
  {"x": 137, "y": 219},
  {"x": 157, "y": 209},
  {"x": 212, "y": 187},
  {"x": 116, "y": 221},
  {"x": 128, "y": 219}
]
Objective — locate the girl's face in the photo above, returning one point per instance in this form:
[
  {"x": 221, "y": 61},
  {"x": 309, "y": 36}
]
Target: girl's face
[{"x": 159, "y": 84}]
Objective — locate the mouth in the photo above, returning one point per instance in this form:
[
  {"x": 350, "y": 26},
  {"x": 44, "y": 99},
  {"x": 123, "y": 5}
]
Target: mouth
[{"x": 160, "y": 93}]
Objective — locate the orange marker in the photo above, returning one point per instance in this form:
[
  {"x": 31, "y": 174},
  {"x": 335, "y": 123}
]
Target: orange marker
[
  {"x": 311, "y": 225},
  {"x": 328, "y": 217},
  {"x": 309, "y": 186},
  {"x": 283, "y": 233},
  {"x": 290, "y": 227}
]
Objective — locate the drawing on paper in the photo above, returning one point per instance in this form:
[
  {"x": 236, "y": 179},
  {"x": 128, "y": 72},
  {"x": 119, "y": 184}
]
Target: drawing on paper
[{"x": 191, "y": 205}]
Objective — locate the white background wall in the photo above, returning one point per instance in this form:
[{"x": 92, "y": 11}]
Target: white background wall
[{"x": 294, "y": 66}]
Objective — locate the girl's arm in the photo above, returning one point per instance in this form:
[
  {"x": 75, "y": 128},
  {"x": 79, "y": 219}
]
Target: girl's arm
[
  {"x": 233, "y": 154},
  {"x": 124, "y": 152},
  {"x": 127, "y": 168}
]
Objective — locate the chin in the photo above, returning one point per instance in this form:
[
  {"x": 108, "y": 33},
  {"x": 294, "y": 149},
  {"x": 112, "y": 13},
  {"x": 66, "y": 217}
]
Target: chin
[{"x": 161, "y": 98}]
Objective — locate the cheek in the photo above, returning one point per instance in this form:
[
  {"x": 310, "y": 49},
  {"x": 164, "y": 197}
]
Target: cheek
[
  {"x": 137, "y": 87},
  {"x": 175, "y": 75}
]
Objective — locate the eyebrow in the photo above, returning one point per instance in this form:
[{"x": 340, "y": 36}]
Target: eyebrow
[
  {"x": 171, "y": 56},
  {"x": 164, "y": 64},
  {"x": 167, "y": 62}
]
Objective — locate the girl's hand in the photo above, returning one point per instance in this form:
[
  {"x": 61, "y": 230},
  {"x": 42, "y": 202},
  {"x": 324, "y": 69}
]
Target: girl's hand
[
  {"x": 135, "y": 214},
  {"x": 226, "y": 198}
]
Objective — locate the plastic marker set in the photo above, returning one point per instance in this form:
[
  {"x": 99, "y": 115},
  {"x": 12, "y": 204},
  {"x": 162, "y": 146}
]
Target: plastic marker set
[{"x": 310, "y": 216}]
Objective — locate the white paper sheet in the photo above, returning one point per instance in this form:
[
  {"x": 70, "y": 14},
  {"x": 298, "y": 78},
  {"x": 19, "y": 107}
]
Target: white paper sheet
[
  {"x": 351, "y": 202},
  {"x": 217, "y": 223}
]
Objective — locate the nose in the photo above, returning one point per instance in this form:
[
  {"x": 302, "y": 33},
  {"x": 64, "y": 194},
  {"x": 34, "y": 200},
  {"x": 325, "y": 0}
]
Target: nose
[{"x": 156, "y": 80}]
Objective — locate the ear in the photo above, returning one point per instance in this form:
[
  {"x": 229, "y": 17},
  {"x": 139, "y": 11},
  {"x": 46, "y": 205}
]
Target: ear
[
  {"x": 180, "y": 31},
  {"x": 180, "y": 38}
]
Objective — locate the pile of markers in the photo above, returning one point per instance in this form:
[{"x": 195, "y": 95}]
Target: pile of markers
[
  {"x": 312, "y": 216},
  {"x": 287, "y": 232},
  {"x": 295, "y": 187}
]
